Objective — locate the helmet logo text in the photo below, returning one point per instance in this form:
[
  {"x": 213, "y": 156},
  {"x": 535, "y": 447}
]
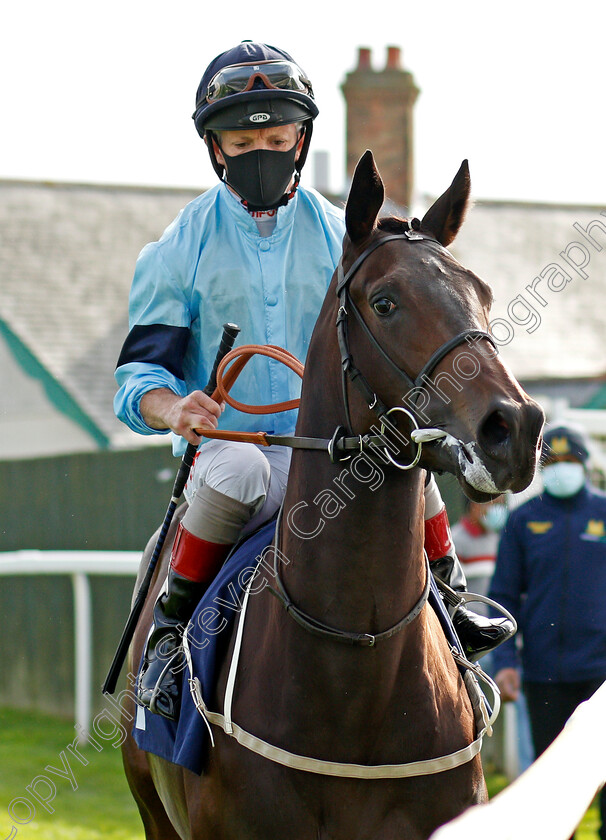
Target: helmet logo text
[{"x": 259, "y": 118}]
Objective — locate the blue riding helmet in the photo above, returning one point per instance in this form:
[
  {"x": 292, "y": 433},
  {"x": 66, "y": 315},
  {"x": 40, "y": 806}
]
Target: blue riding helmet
[{"x": 254, "y": 85}]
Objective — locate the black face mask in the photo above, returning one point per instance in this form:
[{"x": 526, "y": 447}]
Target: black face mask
[{"x": 261, "y": 177}]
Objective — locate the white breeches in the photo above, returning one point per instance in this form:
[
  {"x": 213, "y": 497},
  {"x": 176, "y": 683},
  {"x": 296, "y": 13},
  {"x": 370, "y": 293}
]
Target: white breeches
[{"x": 253, "y": 475}]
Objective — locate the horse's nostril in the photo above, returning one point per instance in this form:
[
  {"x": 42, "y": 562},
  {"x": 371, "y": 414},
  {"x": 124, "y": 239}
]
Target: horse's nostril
[{"x": 495, "y": 429}]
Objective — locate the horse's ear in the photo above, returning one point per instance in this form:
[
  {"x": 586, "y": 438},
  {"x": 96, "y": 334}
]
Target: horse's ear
[
  {"x": 445, "y": 216},
  {"x": 365, "y": 199}
]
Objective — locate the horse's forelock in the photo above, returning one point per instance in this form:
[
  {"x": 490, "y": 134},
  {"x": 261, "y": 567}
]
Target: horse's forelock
[{"x": 392, "y": 224}]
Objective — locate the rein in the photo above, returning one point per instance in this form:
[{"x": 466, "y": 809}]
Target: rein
[{"x": 339, "y": 447}]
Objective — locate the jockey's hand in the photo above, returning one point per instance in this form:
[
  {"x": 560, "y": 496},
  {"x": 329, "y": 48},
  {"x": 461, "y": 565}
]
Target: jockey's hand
[
  {"x": 508, "y": 681},
  {"x": 163, "y": 409}
]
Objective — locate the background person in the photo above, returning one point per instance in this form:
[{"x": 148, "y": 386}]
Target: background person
[
  {"x": 476, "y": 537},
  {"x": 551, "y": 575}
]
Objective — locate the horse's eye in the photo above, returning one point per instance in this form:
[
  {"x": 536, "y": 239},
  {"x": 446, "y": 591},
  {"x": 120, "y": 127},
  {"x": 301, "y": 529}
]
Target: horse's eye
[{"x": 383, "y": 306}]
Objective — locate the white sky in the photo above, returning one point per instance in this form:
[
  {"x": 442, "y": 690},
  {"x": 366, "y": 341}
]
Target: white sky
[{"x": 103, "y": 92}]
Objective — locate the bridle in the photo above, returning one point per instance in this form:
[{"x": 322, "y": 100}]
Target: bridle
[
  {"x": 343, "y": 445},
  {"x": 349, "y": 369},
  {"x": 419, "y": 435}
]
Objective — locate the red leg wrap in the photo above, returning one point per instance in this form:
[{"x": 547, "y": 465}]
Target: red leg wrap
[
  {"x": 196, "y": 559},
  {"x": 438, "y": 539}
]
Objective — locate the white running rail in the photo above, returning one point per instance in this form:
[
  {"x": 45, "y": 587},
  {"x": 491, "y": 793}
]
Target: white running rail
[
  {"x": 78, "y": 565},
  {"x": 548, "y": 801}
]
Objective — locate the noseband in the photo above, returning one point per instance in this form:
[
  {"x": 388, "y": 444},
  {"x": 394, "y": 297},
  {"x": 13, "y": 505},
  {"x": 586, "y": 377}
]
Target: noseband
[{"x": 419, "y": 435}]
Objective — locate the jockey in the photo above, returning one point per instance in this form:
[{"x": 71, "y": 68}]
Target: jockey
[{"x": 259, "y": 250}]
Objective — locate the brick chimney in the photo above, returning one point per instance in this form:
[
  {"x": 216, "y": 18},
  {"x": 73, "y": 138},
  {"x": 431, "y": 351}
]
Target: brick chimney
[{"x": 379, "y": 117}]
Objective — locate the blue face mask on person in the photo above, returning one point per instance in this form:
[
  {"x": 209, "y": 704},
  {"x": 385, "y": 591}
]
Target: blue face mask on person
[
  {"x": 494, "y": 518},
  {"x": 563, "y": 479}
]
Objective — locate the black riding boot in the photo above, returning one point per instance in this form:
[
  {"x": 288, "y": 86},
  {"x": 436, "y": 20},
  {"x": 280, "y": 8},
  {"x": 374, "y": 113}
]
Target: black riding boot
[
  {"x": 478, "y": 635},
  {"x": 158, "y": 687}
]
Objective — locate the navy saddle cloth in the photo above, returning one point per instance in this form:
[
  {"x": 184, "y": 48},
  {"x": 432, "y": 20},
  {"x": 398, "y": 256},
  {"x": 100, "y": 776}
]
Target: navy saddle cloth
[{"x": 186, "y": 742}]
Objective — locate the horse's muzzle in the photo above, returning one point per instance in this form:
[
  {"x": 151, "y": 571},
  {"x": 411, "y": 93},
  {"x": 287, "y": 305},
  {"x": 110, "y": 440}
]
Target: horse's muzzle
[
  {"x": 509, "y": 441},
  {"x": 501, "y": 454}
]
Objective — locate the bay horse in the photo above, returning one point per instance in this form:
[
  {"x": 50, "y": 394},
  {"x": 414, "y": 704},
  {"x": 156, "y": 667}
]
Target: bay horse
[{"x": 356, "y": 564}]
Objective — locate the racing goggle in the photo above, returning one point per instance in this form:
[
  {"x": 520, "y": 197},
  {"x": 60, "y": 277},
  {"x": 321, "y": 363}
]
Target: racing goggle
[{"x": 275, "y": 75}]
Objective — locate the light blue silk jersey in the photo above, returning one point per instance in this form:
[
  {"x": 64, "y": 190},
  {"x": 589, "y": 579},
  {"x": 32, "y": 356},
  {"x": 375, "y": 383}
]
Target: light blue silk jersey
[{"x": 211, "y": 266}]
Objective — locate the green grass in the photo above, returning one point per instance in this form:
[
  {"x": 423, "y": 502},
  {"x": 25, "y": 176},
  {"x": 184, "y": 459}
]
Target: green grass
[{"x": 101, "y": 806}]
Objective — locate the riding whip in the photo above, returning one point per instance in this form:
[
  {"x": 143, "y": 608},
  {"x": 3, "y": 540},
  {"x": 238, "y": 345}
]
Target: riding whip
[{"x": 230, "y": 332}]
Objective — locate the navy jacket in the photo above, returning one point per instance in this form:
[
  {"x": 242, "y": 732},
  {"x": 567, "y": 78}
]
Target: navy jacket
[{"x": 551, "y": 575}]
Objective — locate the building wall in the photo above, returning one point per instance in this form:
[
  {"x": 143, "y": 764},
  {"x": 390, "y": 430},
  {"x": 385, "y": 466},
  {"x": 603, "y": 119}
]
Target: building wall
[{"x": 38, "y": 663}]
